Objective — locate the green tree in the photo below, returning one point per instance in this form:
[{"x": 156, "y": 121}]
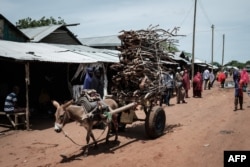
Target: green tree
[
  {"x": 29, "y": 22},
  {"x": 217, "y": 64},
  {"x": 235, "y": 63},
  {"x": 170, "y": 47},
  {"x": 248, "y": 62}
]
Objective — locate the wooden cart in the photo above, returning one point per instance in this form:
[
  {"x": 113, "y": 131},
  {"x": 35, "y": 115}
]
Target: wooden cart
[{"x": 155, "y": 119}]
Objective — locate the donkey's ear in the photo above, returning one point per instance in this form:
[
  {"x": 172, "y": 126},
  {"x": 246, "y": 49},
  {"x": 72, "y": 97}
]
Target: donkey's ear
[
  {"x": 65, "y": 105},
  {"x": 55, "y": 103}
]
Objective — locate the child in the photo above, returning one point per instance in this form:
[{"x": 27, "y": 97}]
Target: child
[{"x": 238, "y": 94}]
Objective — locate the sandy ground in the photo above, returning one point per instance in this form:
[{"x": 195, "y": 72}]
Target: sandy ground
[{"x": 197, "y": 133}]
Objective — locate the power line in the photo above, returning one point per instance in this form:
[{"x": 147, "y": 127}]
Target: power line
[
  {"x": 188, "y": 13},
  {"x": 204, "y": 12}
]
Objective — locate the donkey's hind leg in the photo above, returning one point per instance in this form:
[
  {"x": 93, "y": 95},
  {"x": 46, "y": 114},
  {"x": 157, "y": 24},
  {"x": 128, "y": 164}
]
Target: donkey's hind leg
[
  {"x": 115, "y": 124},
  {"x": 114, "y": 131},
  {"x": 108, "y": 133}
]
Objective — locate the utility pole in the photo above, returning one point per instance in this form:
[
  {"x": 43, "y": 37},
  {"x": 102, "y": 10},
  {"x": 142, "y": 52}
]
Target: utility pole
[
  {"x": 222, "y": 62},
  {"x": 193, "y": 48},
  {"x": 212, "y": 61}
]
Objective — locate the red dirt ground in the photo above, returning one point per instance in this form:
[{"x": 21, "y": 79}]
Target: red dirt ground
[{"x": 197, "y": 133}]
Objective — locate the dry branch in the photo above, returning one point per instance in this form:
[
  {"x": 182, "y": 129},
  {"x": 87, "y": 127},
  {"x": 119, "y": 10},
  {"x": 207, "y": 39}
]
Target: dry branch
[{"x": 140, "y": 67}]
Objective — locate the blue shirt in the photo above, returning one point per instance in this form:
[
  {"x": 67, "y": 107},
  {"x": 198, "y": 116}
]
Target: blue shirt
[
  {"x": 167, "y": 81},
  {"x": 10, "y": 101}
]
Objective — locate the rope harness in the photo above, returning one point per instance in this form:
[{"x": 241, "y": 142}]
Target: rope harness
[{"x": 66, "y": 135}]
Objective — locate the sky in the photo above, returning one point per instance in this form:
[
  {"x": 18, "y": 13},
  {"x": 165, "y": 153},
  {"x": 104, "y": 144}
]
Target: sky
[{"x": 230, "y": 18}]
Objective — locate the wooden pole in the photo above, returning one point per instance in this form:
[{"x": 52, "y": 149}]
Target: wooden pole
[
  {"x": 105, "y": 78},
  {"x": 193, "y": 48},
  {"x": 27, "y": 81},
  {"x": 222, "y": 62},
  {"x": 212, "y": 61}
]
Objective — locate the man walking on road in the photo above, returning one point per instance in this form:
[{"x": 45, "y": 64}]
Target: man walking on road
[{"x": 206, "y": 75}]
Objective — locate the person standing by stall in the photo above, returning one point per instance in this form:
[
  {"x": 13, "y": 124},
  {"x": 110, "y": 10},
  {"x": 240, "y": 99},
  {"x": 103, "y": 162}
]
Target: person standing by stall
[
  {"x": 206, "y": 78},
  {"x": 222, "y": 78},
  {"x": 168, "y": 83},
  {"x": 180, "y": 92},
  {"x": 97, "y": 82},
  {"x": 186, "y": 82},
  {"x": 88, "y": 78},
  {"x": 244, "y": 76},
  {"x": 197, "y": 85},
  {"x": 211, "y": 79}
]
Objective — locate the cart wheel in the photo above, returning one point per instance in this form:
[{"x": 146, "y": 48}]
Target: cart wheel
[{"x": 155, "y": 122}]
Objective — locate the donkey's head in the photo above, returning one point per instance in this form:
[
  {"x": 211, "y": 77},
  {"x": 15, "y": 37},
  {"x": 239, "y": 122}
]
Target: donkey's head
[{"x": 61, "y": 115}]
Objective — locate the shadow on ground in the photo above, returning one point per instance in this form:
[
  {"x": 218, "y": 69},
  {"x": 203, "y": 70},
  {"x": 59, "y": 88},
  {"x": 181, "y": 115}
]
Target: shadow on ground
[{"x": 134, "y": 133}]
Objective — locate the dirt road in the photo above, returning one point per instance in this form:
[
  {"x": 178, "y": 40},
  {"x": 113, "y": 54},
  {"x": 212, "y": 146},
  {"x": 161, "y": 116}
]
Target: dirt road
[{"x": 197, "y": 133}]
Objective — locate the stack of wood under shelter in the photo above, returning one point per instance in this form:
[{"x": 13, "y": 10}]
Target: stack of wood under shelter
[{"x": 140, "y": 68}]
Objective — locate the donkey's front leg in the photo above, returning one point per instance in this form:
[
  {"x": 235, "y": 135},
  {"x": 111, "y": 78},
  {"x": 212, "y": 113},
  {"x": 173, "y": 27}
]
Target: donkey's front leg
[
  {"x": 89, "y": 134},
  {"x": 86, "y": 150},
  {"x": 93, "y": 138}
]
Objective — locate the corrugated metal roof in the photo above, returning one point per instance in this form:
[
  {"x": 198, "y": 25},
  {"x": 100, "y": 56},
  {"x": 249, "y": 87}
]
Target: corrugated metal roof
[
  {"x": 41, "y": 52},
  {"x": 14, "y": 27},
  {"x": 101, "y": 55},
  {"x": 169, "y": 62},
  {"x": 36, "y": 34},
  {"x": 176, "y": 56},
  {"x": 111, "y": 40},
  {"x": 198, "y": 61}
]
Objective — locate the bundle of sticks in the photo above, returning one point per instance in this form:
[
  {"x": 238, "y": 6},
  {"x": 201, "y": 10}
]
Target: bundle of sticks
[{"x": 139, "y": 70}]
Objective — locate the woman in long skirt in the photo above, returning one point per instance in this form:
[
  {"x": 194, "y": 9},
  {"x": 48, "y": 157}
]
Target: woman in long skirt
[{"x": 197, "y": 85}]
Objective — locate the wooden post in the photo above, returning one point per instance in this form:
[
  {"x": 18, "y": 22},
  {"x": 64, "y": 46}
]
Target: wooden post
[
  {"x": 27, "y": 81},
  {"x": 105, "y": 78},
  {"x": 193, "y": 46},
  {"x": 222, "y": 62},
  {"x": 212, "y": 61}
]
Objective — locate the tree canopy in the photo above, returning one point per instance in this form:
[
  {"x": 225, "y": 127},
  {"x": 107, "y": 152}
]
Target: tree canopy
[
  {"x": 248, "y": 62},
  {"x": 170, "y": 47},
  {"x": 235, "y": 63},
  {"x": 29, "y": 22},
  {"x": 217, "y": 64}
]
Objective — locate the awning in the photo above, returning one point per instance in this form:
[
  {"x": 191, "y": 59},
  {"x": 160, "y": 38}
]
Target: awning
[{"x": 40, "y": 52}]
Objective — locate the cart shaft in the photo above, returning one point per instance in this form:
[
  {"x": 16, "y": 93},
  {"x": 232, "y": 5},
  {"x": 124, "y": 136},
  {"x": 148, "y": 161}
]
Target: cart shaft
[{"x": 123, "y": 108}]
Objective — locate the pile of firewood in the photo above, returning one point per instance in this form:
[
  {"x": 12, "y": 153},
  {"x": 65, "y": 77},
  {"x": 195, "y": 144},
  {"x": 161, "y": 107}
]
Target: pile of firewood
[{"x": 140, "y": 67}]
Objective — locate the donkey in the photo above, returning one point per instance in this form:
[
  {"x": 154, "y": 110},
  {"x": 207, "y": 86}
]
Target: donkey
[{"x": 68, "y": 111}]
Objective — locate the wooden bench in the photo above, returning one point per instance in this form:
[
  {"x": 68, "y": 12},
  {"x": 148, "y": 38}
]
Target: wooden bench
[{"x": 15, "y": 123}]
